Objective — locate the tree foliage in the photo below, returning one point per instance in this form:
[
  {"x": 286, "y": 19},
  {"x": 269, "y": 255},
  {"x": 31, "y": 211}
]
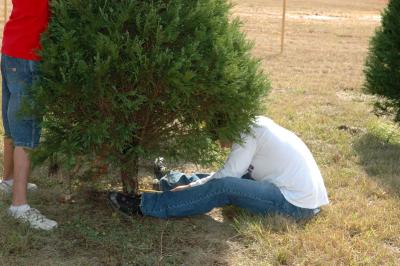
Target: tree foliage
[
  {"x": 126, "y": 79},
  {"x": 382, "y": 68}
]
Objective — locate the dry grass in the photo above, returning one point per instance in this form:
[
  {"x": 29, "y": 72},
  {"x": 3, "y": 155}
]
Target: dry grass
[{"x": 316, "y": 93}]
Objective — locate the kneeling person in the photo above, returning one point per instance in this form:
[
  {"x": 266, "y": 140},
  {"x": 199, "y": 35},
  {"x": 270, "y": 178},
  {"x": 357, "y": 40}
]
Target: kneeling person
[{"x": 285, "y": 180}]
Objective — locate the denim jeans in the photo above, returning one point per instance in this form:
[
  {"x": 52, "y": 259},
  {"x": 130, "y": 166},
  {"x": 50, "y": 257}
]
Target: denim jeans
[
  {"x": 18, "y": 76},
  {"x": 174, "y": 179},
  {"x": 258, "y": 197}
]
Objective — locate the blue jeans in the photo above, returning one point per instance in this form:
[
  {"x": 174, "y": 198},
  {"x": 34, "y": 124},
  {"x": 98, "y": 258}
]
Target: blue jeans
[
  {"x": 174, "y": 179},
  {"x": 258, "y": 197},
  {"x": 18, "y": 76}
]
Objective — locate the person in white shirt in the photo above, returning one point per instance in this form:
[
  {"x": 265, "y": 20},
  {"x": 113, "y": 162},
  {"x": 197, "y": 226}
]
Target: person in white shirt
[{"x": 285, "y": 179}]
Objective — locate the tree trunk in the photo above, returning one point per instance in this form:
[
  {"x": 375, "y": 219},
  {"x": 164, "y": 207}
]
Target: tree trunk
[
  {"x": 129, "y": 175},
  {"x": 54, "y": 166}
]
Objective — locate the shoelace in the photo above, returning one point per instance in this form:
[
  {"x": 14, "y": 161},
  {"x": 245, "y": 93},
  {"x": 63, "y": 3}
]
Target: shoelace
[{"x": 34, "y": 214}]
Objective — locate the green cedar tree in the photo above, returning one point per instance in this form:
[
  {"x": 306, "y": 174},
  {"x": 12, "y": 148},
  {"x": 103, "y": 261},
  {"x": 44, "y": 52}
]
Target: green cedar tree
[
  {"x": 382, "y": 67},
  {"x": 127, "y": 79}
]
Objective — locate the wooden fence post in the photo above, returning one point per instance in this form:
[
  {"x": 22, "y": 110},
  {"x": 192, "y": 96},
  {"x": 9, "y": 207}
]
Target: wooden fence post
[
  {"x": 283, "y": 25},
  {"x": 5, "y": 10}
]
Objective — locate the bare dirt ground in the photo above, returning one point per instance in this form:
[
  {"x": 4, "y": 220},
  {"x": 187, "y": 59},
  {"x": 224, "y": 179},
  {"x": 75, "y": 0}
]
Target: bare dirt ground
[{"x": 316, "y": 93}]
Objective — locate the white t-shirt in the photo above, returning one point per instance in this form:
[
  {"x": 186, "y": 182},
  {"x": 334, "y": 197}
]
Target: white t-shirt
[{"x": 275, "y": 154}]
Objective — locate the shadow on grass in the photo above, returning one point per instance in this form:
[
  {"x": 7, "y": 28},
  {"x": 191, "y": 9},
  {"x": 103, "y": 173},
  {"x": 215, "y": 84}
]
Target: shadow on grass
[
  {"x": 90, "y": 233},
  {"x": 381, "y": 160}
]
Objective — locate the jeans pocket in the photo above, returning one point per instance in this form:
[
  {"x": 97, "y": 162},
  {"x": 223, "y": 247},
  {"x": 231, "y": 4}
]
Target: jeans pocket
[{"x": 19, "y": 77}]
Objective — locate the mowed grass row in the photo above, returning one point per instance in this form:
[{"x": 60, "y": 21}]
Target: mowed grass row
[{"x": 317, "y": 94}]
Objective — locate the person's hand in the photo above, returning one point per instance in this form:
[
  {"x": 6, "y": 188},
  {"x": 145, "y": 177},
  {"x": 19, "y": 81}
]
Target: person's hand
[{"x": 180, "y": 188}]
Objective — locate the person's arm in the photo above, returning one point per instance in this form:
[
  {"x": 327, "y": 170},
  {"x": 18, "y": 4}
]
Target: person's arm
[{"x": 237, "y": 163}]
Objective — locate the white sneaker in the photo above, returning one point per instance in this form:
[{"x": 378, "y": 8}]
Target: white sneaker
[
  {"x": 35, "y": 219},
  {"x": 5, "y": 188}
]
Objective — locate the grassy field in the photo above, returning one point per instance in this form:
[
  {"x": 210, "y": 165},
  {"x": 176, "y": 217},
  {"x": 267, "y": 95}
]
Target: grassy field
[{"x": 316, "y": 93}]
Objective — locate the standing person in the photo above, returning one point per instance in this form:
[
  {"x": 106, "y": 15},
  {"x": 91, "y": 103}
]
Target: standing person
[
  {"x": 21, "y": 42},
  {"x": 285, "y": 179}
]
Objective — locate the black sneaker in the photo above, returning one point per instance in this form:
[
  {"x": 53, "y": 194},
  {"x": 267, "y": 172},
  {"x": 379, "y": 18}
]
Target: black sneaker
[{"x": 126, "y": 205}]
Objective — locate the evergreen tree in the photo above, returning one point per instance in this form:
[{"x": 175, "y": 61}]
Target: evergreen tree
[
  {"x": 129, "y": 79},
  {"x": 382, "y": 68}
]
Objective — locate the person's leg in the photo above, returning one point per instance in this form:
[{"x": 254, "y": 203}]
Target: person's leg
[
  {"x": 25, "y": 133},
  {"x": 175, "y": 179},
  {"x": 7, "y": 183},
  {"x": 22, "y": 166},
  {"x": 8, "y": 159},
  {"x": 256, "y": 197},
  {"x": 19, "y": 77},
  {"x": 171, "y": 180},
  {"x": 8, "y": 152}
]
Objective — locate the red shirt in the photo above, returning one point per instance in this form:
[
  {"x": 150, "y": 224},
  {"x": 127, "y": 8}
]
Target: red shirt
[{"x": 21, "y": 36}]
